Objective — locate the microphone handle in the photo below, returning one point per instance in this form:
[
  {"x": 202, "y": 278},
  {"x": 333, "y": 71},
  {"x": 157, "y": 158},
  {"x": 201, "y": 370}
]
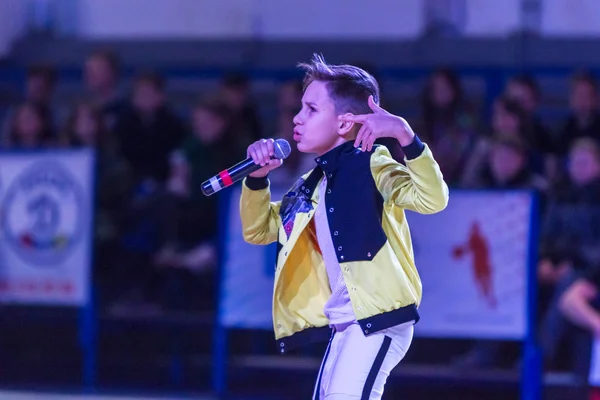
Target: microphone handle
[{"x": 229, "y": 176}]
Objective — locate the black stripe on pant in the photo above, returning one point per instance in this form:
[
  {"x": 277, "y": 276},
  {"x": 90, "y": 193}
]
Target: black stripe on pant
[
  {"x": 370, "y": 382},
  {"x": 318, "y": 387}
]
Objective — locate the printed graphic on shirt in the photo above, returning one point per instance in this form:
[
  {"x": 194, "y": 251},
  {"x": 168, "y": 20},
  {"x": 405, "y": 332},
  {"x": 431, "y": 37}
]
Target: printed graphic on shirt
[{"x": 293, "y": 202}]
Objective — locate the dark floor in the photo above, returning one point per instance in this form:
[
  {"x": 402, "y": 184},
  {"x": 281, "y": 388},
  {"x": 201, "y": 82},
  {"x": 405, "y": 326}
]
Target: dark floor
[{"x": 172, "y": 357}]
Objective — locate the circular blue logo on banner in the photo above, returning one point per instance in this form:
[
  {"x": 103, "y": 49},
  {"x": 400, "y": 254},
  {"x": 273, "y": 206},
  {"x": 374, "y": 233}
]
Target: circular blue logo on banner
[{"x": 43, "y": 214}]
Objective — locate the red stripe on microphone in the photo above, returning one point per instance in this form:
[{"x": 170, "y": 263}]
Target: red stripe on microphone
[{"x": 224, "y": 175}]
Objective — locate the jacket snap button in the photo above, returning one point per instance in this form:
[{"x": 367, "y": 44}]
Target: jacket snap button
[
  {"x": 369, "y": 325},
  {"x": 281, "y": 344},
  {"x": 368, "y": 254},
  {"x": 366, "y": 331}
]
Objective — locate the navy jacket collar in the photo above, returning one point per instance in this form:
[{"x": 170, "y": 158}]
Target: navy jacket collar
[{"x": 331, "y": 160}]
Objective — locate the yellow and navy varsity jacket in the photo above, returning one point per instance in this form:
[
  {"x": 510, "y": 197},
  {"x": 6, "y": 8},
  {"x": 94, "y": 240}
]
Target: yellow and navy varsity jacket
[{"x": 367, "y": 194}]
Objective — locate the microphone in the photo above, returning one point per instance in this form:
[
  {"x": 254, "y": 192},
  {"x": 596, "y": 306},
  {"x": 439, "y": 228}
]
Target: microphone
[{"x": 242, "y": 169}]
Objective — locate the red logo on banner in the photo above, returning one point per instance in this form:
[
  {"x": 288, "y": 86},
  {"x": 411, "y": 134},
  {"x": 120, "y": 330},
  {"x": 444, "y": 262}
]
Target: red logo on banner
[{"x": 479, "y": 248}]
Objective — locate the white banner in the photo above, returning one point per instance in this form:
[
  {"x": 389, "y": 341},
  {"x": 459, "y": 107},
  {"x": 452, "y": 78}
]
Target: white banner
[
  {"x": 248, "y": 273},
  {"x": 472, "y": 258},
  {"x": 46, "y": 200}
]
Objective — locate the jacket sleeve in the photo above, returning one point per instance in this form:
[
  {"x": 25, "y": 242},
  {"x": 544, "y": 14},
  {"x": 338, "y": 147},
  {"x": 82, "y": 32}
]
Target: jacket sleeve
[
  {"x": 260, "y": 216},
  {"x": 419, "y": 186}
]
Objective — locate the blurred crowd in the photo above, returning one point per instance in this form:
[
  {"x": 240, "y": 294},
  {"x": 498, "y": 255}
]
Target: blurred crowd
[{"x": 156, "y": 232}]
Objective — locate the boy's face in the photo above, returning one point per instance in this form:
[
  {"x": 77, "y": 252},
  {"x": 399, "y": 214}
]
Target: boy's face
[{"x": 317, "y": 129}]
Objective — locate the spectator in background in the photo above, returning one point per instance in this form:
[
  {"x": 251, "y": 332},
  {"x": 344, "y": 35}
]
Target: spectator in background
[
  {"x": 570, "y": 240},
  {"x": 525, "y": 90},
  {"x": 102, "y": 73},
  {"x": 572, "y": 223},
  {"x": 85, "y": 128},
  {"x": 446, "y": 125},
  {"x": 584, "y": 119},
  {"x": 29, "y": 128},
  {"x": 40, "y": 85},
  {"x": 507, "y": 167},
  {"x": 190, "y": 219},
  {"x": 289, "y": 97},
  {"x": 509, "y": 120},
  {"x": 580, "y": 305},
  {"x": 148, "y": 130},
  {"x": 235, "y": 92}
]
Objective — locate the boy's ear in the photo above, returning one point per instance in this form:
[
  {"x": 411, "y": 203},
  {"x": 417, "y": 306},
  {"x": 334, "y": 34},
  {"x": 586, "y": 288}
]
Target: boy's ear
[{"x": 346, "y": 128}]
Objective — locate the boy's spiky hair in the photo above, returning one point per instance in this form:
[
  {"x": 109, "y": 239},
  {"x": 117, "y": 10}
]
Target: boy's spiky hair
[{"x": 349, "y": 86}]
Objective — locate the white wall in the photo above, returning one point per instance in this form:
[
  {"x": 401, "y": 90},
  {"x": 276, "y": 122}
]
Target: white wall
[
  {"x": 142, "y": 19},
  {"x": 249, "y": 18},
  {"x": 571, "y": 18},
  {"x": 13, "y": 18},
  {"x": 328, "y": 19},
  {"x": 492, "y": 18},
  {"x": 339, "y": 19}
]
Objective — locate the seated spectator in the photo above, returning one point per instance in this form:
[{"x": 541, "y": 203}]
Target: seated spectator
[
  {"x": 508, "y": 167},
  {"x": 101, "y": 74},
  {"x": 446, "y": 124},
  {"x": 148, "y": 131},
  {"x": 509, "y": 120},
  {"x": 525, "y": 90},
  {"x": 570, "y": 238},
  {"x": 580, "y": 306},
  {"x": 289, "y": 98},
  {"x": 40, "y": 85},
  {"x": 235, "y": 92},
  {"x": 29, "y": 129},
  {"x": 571, "y": 225},
  {"x": 85, "y": 128},
  {"x": 202, "y": 154},
  {"x": 584, "y": 118},
  {"x": 190, "y": 219}
]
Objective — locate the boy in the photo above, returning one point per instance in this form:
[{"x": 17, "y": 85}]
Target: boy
[{"x": 345, "y": 266}]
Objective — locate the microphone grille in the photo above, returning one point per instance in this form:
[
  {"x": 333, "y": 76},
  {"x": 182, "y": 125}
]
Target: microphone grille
[{"x": 282, "y": 149}]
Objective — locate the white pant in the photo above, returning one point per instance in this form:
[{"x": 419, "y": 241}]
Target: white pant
[{"x": 356, "y": 366}]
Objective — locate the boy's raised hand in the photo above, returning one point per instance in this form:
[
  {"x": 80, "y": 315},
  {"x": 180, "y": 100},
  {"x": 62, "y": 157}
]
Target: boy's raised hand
[{"x": 377, "y": 125}]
